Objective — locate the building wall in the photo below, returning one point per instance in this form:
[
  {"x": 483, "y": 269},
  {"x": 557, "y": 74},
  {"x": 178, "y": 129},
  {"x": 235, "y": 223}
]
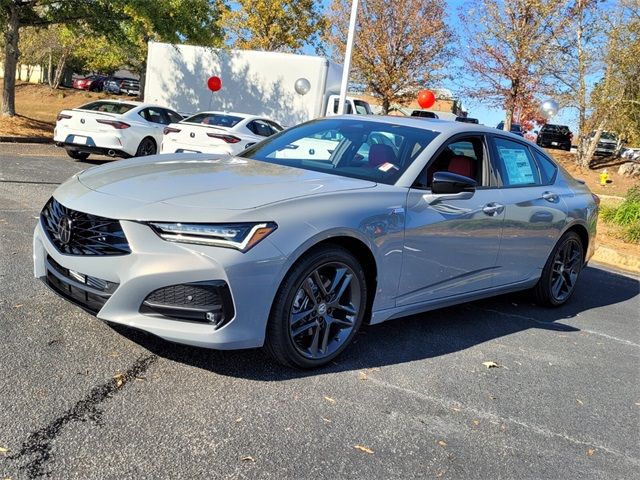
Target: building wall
[{"x": 28, "y": 73}]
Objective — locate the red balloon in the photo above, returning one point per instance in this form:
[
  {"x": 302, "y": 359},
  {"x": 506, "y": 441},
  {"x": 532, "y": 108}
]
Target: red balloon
[
  {"x": 426, "y": 98},
  {"x": 214, "y": 84}
]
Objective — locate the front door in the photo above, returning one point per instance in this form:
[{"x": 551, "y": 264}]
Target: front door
[{"x": 451, "y": 241}]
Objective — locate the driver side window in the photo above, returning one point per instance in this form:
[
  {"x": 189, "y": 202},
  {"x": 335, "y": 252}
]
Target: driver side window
[{"x": 463, "y": 156}]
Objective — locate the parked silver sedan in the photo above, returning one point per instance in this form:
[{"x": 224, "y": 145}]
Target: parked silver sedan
[{"x": 309, "y": 233}]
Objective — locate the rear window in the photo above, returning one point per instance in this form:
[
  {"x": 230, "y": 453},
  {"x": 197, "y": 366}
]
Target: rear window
[
  {"x": 548, "y": 169},
  {"x": 107, "y": 107},
  {"x": 214, "y": 119}
]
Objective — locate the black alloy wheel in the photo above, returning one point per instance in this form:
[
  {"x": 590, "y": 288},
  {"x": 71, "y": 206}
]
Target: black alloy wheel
[
  {"x": 560, "y": 274},
  {"x": 146, "y": 147},
  {"x": 318, "y": 309}
]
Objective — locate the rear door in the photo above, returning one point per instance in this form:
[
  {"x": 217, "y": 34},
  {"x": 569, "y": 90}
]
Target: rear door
[
  {"x": 452, "y": 241},
  {"x": 535, "y": 213}
]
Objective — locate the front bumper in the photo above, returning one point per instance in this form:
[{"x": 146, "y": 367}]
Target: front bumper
[{"x": 153, "y": 264}]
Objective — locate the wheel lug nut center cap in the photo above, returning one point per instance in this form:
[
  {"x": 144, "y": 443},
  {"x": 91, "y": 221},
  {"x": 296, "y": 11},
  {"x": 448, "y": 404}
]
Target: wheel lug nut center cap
[{"x": 322, "y": 309}]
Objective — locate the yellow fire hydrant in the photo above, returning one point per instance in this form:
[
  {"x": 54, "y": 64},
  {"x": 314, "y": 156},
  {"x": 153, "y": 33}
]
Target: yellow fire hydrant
[{"x": 604, "y": 176}]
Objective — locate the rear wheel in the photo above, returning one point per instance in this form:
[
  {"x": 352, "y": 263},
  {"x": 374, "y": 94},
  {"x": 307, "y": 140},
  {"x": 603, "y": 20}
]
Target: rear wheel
[
  {"x": 147, "y": 147},
  {"x": 77, "y": 155},
  {"x": 560, "y": 274},
  {"x": 318, "y": 308}
]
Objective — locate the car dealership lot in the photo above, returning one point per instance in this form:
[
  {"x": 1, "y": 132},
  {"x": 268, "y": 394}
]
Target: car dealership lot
[{"x": 79, "y": 399}]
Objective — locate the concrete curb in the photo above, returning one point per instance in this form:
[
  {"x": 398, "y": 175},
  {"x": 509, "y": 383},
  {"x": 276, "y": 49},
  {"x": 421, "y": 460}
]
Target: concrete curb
[
  {"x": 617, "y": 259},
  {"x": 42, "y": 140}
]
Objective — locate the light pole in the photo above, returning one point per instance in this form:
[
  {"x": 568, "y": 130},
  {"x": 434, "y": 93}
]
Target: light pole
[{"x": 347, "y": 57}]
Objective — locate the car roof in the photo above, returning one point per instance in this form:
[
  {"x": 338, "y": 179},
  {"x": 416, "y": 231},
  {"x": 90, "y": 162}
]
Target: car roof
[
  {"x": 448, "y": 127},
  {"x": 231, "y": 114}
]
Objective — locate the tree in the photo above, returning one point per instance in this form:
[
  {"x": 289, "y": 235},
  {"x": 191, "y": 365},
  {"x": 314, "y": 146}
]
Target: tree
[
  {"x": 615, "y": 98},
  {"x": 400, "y": 46},
  {"x": 274, "y": 25},
  {"x": 131, "y": 22},
  {"x": 504, "y": 47},
  {"x": 577, "y": 49}
]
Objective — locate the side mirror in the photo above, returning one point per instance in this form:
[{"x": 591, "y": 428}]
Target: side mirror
[{"x": 447, "y": 182}]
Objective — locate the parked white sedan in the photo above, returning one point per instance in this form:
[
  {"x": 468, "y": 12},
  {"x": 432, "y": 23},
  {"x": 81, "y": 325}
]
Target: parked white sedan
[
  {"x": 217, "y": 132},
  {"x": 111, "y": 127}
]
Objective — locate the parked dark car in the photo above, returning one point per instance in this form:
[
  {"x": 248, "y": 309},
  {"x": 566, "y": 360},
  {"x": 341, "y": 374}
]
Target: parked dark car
[
  {"x": 130, "y": 86},
  {"x": 93, "y": 83},
  {"x": 555, "y": 136},
  {"x": 515, "y": 128},
  {"x": 467, "y": 120},
  {"x": 424, "y": 114}
]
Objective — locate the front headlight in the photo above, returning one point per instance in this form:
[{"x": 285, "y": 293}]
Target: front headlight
[{"x": 241, "y": 236}]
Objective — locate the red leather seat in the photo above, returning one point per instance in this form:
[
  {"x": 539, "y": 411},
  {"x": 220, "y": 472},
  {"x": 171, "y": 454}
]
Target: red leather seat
[
  {"x": 462, "y": 165},
  {"x": 380, "y": 153}
]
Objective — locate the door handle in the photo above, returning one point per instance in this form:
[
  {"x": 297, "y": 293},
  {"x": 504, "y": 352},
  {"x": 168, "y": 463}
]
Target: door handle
[
  {"x": 492, "y": 209},
  {"x": 550, "y": 197}
]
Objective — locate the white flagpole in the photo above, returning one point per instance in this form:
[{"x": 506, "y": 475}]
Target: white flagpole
[{"x": 347, "y": 57}]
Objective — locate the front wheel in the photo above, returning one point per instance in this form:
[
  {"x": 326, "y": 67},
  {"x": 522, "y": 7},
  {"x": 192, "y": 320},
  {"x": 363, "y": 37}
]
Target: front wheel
[
  {"x": 560, "y": 274},
  {"x": 318, "y": 308},
  {"x": 147, "y": 147}
]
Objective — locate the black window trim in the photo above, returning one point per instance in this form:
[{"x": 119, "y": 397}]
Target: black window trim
[{"x": 486, "y": 161}]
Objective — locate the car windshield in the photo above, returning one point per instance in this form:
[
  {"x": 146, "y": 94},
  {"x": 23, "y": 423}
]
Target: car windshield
[
  {"x": 214, "y": 119},
  {"x": 374, "y": 151},
  {"x": 108, "y": 107},
  {"x": 608, "y": 136},
  {"x": 515, "y": 127}
]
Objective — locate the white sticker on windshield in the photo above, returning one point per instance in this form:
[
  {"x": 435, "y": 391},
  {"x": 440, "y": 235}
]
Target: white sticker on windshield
[{"x": 386, "y": 166}]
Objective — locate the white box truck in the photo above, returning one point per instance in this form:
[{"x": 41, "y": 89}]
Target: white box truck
[{"x": 259, "y": 83}]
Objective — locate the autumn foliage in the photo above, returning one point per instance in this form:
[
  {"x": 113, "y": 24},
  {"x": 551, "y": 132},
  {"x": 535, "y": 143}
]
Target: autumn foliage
[{"x": 400, "y": 47}]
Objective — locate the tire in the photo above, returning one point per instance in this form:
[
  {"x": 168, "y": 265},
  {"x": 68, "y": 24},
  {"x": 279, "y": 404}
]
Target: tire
[
  {"x": 561, "y": 272},
  {"x": 77, "y": 155},
  {"x": 330, "y": 323},
  {"x": 147, "y": 147}
]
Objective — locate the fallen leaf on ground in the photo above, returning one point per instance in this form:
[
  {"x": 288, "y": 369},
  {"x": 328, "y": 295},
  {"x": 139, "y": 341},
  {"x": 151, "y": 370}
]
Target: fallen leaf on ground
[
  {"x": 119, "y": 379},
  {"x": 591, "y": 451},
  {"x": 442, "y": 443},
  {"x": 456, "y": 409},
  {"x": 18, "y": 306},
  {"x": 363, "y": 449},
  {"x": 491, "y": 365},
  {"x": 330, "y": 400},
  {"x": 503, "y": 428},
  {"x": 476, "y": 422},
  {"x": 579, "y": 401},
  {"x": 239, "y": 419},
  {"x": 3, "y": 450},
  {"x": 363, "y": 376},
  {"x": 326, "y": 420},
  {"x": 248, "y": 459}
]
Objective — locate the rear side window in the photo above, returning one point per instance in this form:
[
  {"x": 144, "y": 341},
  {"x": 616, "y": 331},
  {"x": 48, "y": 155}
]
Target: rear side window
[
  {"x": 173, "y": 116},
  {"x": 108, "y": 107},
  {"x": 516, "y": 164},
  {"x": 548, "y": 169}
]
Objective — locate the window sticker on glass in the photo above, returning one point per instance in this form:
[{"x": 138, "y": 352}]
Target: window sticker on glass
[{"x": 518, "y": 167}]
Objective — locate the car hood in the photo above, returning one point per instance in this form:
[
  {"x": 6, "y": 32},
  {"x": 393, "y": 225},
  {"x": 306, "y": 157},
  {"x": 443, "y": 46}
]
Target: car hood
[{"x": 206, "y": 181}]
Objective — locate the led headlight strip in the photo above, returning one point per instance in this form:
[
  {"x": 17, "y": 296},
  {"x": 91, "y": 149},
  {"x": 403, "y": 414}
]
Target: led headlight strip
[{"x": 241, "y": 236}]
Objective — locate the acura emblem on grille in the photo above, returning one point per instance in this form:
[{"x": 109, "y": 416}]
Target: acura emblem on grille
[
  {"x": 82, "y": 120},
  {"x": 65, "y": 226},
  {"x": 192, "y": 134}
]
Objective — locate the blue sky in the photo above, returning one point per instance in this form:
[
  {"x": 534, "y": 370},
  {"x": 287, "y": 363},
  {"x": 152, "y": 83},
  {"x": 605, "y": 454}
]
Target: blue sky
[{"x": 477, "y": 109}]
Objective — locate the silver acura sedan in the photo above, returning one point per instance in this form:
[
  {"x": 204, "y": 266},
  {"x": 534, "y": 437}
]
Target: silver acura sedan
[{"x": 307, "y": 234}]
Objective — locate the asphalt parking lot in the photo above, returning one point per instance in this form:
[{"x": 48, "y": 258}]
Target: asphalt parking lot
[{"x": 410, "y": 399}]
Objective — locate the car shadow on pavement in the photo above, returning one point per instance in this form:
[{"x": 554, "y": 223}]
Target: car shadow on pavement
[{"x": 417, "y": 337}]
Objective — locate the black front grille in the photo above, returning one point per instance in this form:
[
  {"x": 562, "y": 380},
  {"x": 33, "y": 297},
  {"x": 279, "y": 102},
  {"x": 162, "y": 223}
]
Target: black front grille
[
  {"x": 87, "y": 234},
  {"x": 88, "y": 292}
]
